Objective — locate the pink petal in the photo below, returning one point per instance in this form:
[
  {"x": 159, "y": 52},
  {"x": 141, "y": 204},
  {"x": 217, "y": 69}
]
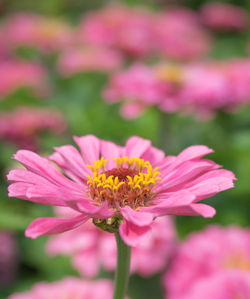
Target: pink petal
[
  {"x": 51, "y": 226},
  {"x": 42, "y": 167},
  {"x": 100, "y": 212},
  {"x": 136, "y": 217},
  {"x": 90, "y": 147},
  {"x": 135, "y": 226},
  {"x": 193, "y": 210},
  {"x": 74, "y": 161},
  {"x": 110, "y": 150},
  {"x": 132, "y": 234},
  {"x": 136, "y": 146},
  {"x": 153, "y": 155},
  {"x": 185, "y": 173}
]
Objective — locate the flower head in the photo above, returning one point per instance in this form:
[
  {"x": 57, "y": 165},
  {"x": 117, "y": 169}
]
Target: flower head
[
  {"x": 233, "y": 284},
  {"x": 121, "y": 188},
  {"x": 207, "y": 253},
  {"x": 69, "y": 288}
]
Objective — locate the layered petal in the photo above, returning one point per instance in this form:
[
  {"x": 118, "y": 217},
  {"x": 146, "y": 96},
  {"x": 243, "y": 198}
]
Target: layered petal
[
  {"x": 51, "y": 226},
  {"x": 135, "y": 226}
]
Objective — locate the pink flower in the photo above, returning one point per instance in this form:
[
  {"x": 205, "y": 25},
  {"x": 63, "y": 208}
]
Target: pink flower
[
  {"x": 23, "y": 125},
  {"x": 92, "y": 248},
  {"x": 203, "y": 254},
  {"x": 71, "y": 288},
  {"x": 224, "y": 285},
  {"x": 205, "y": 89},
  {"x": 237, "y": 73},
  {"x": 138, "y": 86},
  {"x": 77, "y": 60},
  {"x": 8, "y": 258},
  {"x": 122, "y": 188},
  {"x": 126, "y": 29},
  {"x": 224, "y": 16},
  {"x": 33, "y": 30},
  {"x": 15, "y": 74},
  {"x": 178, "y": 35}
]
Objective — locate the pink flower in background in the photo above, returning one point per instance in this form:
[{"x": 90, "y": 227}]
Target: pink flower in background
[
  {"x": 36, "y": 31},
  {"x": 77, "y": 60},
  {"x": 138, "y": 86},
  {"x": 178, "y": 35},
  {"x": 224, "y": 16},
  {"x": 15, "y": 74},
  {"x": 205, "y": 89},
  {"x": 203, "y": 254},
  {"x": 92, "y": 248},
  {"x": 121, "y": 188},
  {"x": 237, "y": 73},
  {"x": 127, "y": 29},
  {"x": 69, "y": 288},
  {"x": 224, "y": 285},
  {"x": 23, "y": 125},
  {"x": 8, "y": 258}
]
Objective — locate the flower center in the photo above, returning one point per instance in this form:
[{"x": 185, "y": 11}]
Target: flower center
[{"x": 129, "y": 183}]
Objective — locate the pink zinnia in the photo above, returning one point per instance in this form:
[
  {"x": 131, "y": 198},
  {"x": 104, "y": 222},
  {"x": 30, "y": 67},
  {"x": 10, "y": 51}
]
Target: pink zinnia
[
  {"x": 178, "y": 35},
  {"x": 77, "y": 60},
  {"x": 36, "y": 31},
  {"x": 206, "y": 253},
  {"x": 71, "y": 288},
  {"x": 16, "y": 74},
  {"x": 121, "y": 188},
  {"x": 23, "y": 125},
  {"x": 92, "y": 248},
  {"x": 224, "y": 16},
  {"x": 138, "y": 87},
  {"x": 233, "y": 284}
]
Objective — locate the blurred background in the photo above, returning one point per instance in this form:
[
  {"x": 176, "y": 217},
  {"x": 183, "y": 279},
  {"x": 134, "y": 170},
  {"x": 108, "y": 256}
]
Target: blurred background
[{"x": 175, "y": 72}]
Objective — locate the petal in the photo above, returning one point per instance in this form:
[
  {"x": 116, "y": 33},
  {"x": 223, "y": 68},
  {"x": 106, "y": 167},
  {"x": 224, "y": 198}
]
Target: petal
[
  {"x": 193, "y": 210},
  {"x": 186, "y": 172},
  {"x": 136, "y": 146},
  {"x": 42, "y": 167},
  {"x": 164, "y": 202},
  {"x": 100, "y": 212},
  {"x": 51, "y": 226},
  {"x": 90, "y": 147},
  {"x": 136, "y": 217},
  {"x": 179, "y": 203},
  {"x": 110, "y": 150},
  {"x": 74, "y": 161},
  {"x": 132, "y": 234},
  {"x": 153, "y": 155},
  {"x": 135, "y": 226}
]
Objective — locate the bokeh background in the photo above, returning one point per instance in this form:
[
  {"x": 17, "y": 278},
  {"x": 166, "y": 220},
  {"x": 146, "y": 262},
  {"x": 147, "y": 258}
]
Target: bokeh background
[{"x": 46, "y": 97}]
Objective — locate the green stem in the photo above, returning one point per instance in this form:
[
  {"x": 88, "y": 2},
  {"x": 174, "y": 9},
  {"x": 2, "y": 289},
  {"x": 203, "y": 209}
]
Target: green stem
[{"x": 122, "y": 268}]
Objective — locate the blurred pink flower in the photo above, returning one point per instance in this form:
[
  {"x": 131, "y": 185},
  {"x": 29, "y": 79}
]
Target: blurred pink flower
[
  {"x": 127, "y": 29},
  {"x": 232, "y": 284},
  {"x": 36, "y": 31},
  {"x": 203, "y": 254},
  {"x": 178, "y": 35},
  {"x": 237, "y": 73},
  {"x": 76, "y": 60},
  {"x": 138, "y": 86},
  {"x": 205, "y": 89},
  {"x": 121, "y": 188},
  {"x": 15, "y": 74},
  {"x": 8, "y": 258},
  {"x": 71, "y": 288},
  {"x": 23, "y": 125},
  {"x": 92, "y": 248},
  {"x": 224, "y": 16}
]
